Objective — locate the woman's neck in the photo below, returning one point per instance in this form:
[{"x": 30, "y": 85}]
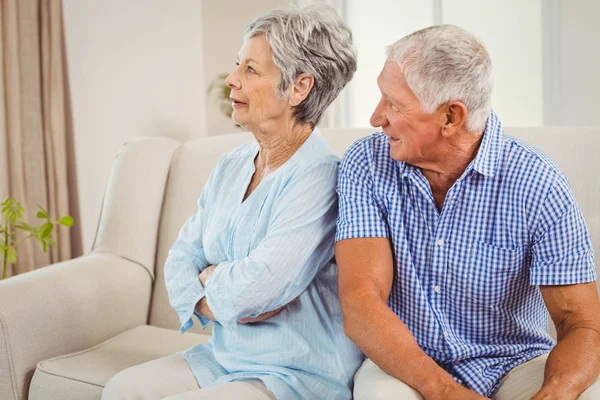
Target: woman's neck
[{"x": 278, "y": 146}]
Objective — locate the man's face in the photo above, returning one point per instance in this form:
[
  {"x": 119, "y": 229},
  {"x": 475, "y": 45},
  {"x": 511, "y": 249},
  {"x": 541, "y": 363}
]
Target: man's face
[{"x": 414, "y": 136}]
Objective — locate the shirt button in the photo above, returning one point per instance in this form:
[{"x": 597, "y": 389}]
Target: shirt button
[
  {"x": 437, "y": 289},
  {"x": 456, "y": 362},
  {"x": 268, "y": 244},
  {"x": 440, "y": 242}
]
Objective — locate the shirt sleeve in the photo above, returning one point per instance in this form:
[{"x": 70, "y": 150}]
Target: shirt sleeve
[
  {"x": 562, "y": 251},
  {"x": 299, "y": 241},
  {"x": 360, "y": 215},
  {"x": 184, "y": 263}
]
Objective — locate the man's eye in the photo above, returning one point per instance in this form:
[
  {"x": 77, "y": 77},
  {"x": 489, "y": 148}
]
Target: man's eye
[{"x": 251, "y": 70}]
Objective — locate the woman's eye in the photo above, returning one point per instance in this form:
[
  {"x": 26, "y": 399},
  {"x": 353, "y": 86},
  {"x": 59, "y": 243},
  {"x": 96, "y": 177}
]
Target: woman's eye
[{"x": 251, "y": 70}]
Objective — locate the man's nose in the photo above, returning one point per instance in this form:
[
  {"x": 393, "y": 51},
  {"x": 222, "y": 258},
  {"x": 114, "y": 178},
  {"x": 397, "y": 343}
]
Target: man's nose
[{"x": 377, "y": 118}]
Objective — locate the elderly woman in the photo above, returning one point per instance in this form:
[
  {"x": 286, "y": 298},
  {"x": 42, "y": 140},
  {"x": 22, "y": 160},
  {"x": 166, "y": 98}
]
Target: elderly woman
[{"x": 257, "y": 258}]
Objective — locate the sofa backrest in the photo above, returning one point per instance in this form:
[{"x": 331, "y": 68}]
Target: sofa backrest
[{"x": 573, "y": 149}]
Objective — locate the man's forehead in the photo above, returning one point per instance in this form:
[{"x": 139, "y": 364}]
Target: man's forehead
[{"x": 391, "y": 77}]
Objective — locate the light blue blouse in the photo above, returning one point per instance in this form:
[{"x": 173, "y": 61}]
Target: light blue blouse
[{"x": 275, "y": 246}]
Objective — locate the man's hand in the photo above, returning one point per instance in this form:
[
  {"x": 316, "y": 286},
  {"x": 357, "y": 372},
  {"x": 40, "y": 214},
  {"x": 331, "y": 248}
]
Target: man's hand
[
  {"x": 457, "y": 392},
  {"x": 263, "y": 316},
  {"x": 574, "y": 363},
  {"x": 558, "y": 394}
]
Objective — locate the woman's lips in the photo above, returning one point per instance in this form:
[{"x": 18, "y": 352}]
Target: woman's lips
[{"x": 237, "y": 103}]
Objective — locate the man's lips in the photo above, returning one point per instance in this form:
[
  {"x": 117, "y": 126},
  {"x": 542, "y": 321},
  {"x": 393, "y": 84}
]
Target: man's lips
[{"x": 392, "y": 139}]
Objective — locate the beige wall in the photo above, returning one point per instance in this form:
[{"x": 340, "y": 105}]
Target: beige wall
[
  {"x": 579, "y": 71},
  {"x": 135, "y": 69},
  {"x": 223, "y": 27}
]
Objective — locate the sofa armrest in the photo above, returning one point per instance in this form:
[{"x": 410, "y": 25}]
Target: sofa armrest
[
  {"x": 132, "y": 205},
  {"x": 63, "y": 308}
]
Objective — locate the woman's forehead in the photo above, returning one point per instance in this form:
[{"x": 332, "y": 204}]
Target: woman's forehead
[{"x": 257, "y": 49}]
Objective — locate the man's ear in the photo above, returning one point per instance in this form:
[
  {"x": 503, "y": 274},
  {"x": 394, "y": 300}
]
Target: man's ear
[
  {"x": 454, "y": 118},
  {"x": 301, "y": 88}
]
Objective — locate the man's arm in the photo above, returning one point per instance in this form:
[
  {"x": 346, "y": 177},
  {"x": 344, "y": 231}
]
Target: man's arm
[
  {"x": 365, "y": 281},
  {"x": 573, "y": 365}
]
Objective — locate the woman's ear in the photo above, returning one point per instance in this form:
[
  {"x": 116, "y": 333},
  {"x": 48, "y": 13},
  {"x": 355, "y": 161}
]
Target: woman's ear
[{"x": 301, "y": 88}]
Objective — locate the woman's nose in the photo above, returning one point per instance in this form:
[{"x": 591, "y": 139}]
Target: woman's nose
[{"x": 232, "y": 81}]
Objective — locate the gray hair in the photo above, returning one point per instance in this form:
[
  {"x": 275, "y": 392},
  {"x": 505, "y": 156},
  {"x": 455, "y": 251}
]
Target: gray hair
[
  {"x": 311, "y": 40},
  {"x": 446, "y": 63}
]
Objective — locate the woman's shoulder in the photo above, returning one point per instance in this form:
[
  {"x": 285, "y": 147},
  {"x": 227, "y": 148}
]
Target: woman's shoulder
[
  {"x": 238, "y": 155},
  {"x": 315, "y": 153}
]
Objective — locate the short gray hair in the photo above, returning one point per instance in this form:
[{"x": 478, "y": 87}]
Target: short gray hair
[
  {"x": 311, "y": 40},
  {"x": 446, "y": 63}
]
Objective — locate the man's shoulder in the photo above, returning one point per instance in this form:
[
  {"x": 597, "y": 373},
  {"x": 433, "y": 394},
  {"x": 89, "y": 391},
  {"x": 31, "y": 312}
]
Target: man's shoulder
[
  {"x": 525, "y": 157},
  {"x": 531, "y": 153},
  {"x": 372, "y": 150},
  {"x": 529, "y": 171}
]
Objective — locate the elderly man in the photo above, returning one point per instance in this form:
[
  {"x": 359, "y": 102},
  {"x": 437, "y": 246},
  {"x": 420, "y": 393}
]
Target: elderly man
[{"x": 453, "y": 239}]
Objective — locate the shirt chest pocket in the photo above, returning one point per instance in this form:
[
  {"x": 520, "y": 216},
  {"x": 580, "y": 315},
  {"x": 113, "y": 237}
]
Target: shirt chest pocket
[{"x": 494, "y": 274}]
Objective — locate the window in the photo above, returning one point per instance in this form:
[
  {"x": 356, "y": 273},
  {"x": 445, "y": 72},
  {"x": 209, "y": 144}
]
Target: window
[{"x": 511, "y": 30}]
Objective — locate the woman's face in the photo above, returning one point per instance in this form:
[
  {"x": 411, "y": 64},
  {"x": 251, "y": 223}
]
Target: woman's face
[{"x": 254, "y": 87}]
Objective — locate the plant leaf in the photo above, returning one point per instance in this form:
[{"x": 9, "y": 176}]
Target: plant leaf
[
  {"x": 46, "y": 230},
  {"x": 42, "y": 244},
  {"x": 12, "y": 210},
  {"x": 24, "y": 226},
  {"x": 11, "y": 255},
  {"x": 42, "y": 213},
  {"x": 66, "y": 221}
]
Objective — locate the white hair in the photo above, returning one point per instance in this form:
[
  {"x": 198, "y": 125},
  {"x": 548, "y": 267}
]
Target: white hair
[
  {"x": 446, "y": 63},
  {"x": 311, "y": 40}
]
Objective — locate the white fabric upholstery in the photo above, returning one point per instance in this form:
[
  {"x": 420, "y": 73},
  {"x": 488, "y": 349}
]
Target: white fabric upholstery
[
  {"x": 152, "y": 190},
  {"x": 134, "y": 195},
  {"x": 66, "y": 308},
  {"x": 65, "y": 377}
]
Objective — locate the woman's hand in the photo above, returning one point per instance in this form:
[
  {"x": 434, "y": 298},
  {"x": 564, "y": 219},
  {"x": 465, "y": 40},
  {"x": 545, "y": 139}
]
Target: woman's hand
[
  {"x": 263, "y": 316},
  {"x": 203, "y": 276},
  {"x": 202, "y": 306}
]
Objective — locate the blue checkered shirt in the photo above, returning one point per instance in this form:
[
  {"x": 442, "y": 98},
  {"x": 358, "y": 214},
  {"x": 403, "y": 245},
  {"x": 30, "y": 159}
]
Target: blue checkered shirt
[{"x": 467, "y": 279}]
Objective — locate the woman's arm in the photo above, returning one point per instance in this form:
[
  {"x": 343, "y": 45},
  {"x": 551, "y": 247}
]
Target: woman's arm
[
  {"x": 185, "y": 261},
  {"x": 299, "y": 241}
]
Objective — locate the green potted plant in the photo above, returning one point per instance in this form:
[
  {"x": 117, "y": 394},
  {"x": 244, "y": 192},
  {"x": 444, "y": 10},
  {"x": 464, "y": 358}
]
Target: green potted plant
[
  {"x": 221, "y": 91},
  {"x": 14, "y": 231}
]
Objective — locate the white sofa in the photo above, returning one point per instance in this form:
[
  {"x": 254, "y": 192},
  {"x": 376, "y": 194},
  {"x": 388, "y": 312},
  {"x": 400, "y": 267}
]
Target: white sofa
[{"x": 66, "y": 329}]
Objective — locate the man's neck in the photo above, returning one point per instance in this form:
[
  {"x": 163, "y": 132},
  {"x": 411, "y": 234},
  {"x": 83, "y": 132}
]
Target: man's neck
[{"x": 454, "y": 159}]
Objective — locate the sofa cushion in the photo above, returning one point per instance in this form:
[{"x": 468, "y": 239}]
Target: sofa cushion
[{"x": 82, "y": 375}]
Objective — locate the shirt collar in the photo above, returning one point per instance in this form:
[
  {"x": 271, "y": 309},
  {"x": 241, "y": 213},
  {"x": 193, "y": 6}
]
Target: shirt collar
[{"x": 486, "y": 160}]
